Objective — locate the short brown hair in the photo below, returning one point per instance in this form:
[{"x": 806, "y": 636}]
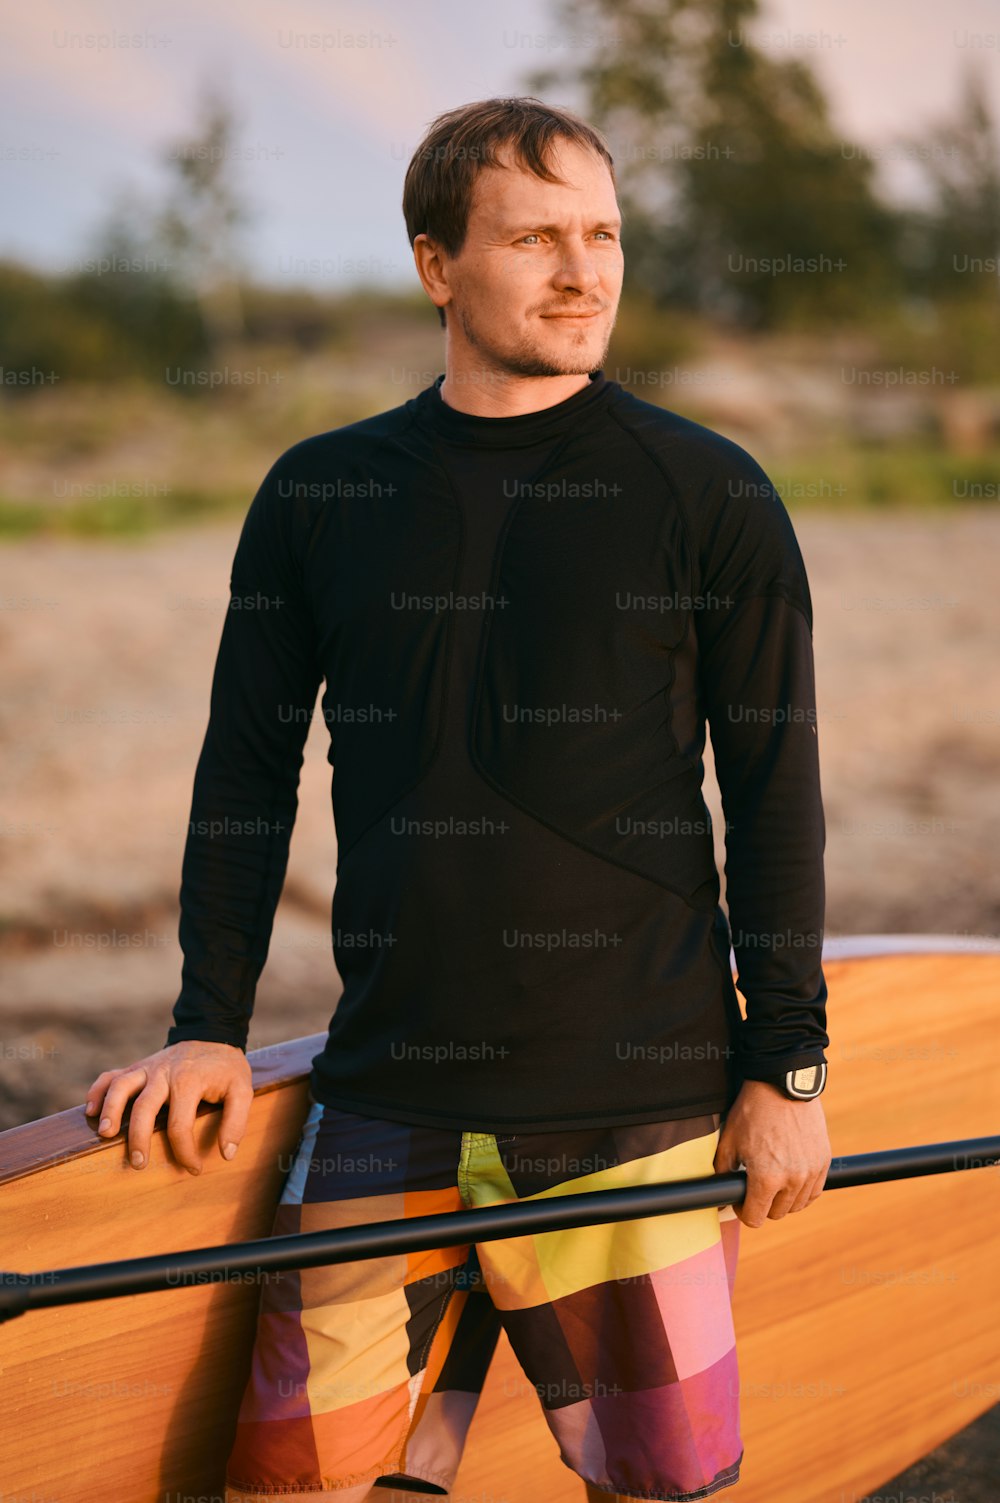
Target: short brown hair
[{"x": 437, "y": 191}]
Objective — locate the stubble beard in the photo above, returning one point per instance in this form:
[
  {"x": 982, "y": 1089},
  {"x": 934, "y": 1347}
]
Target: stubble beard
[{"x": 525, "y": 359}]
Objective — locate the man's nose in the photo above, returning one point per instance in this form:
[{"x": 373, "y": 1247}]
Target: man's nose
[{"x": 576, "y": 268}]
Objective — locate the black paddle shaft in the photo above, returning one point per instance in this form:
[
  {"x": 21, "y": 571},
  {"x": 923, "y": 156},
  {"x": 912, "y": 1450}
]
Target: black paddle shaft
[{"x": 20, "y": 1292}]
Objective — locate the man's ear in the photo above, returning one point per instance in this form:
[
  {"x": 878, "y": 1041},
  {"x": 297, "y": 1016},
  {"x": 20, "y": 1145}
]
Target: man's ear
[{"x": 432, "y": 273}]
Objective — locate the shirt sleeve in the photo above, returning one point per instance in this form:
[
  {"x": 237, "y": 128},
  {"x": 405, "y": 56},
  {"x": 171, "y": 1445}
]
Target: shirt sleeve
[
  {"x": 757, "y": 679},
  {"x": 245, "y": 795}
]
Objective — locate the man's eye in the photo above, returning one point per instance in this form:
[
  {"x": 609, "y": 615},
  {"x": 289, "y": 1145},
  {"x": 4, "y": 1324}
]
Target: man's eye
[{"x": 535, "y": 235}]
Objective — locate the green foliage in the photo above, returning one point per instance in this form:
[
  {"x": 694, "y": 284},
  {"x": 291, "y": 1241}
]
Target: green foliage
[
  {"x": 109, "y": 323},
  {"x": 45, "y": 336}
]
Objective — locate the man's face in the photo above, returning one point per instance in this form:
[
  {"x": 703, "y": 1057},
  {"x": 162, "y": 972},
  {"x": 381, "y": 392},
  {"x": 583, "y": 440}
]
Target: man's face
[{"x": 535, "y": 288}]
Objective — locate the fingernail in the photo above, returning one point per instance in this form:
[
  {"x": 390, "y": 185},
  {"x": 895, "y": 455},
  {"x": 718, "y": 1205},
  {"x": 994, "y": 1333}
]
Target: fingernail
[
  {"x": 137, "y": 1160},
  {"x": 105, "y": 1123},
  {"x": 194, "y": 1171},
  {"x": 229, "y": 1151},
  {"x": 88, "y": 1109}
]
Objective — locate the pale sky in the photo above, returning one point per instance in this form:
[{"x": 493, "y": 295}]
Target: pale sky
[{"x": 335, "y": 97}]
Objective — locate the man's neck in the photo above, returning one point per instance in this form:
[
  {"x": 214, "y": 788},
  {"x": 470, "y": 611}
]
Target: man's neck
[{"x": 484, "y": 392}]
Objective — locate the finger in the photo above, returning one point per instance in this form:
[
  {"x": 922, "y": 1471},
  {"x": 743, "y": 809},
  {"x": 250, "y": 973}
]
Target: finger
[
  {"x": 95, "y": 1092},
  {"x": 143, "y": 1116},
  {"x": 799, "y": 1197},
  {"x": 819, "y": 1184},
  {"x": 235, "y": 1115},
  {"x": 184, "y": 1100},
  {"x": 757, "y": 1202},
  {"x": 740, "y": 1167},
  {"x": 782, "y": 1196},
  {"x": 794, "y": 1191},
  {"x": 98, "y": 1091},
  {"x": 726, "y": 1155},
  {"x": 117, "y": 1096},
  {"x": 812, "y": 1190}
]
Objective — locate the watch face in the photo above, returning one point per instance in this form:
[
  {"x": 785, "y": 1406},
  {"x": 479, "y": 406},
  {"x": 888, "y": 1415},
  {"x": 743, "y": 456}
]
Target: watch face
[{"x": 807, "y": 1081}]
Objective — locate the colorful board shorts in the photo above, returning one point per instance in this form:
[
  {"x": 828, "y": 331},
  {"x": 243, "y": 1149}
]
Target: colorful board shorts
[{"x": 371, "y": 1370}]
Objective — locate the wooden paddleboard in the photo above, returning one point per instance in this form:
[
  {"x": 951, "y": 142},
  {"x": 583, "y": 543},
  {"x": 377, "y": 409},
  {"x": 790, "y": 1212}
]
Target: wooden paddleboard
[{"x": 868, "y": 1326}]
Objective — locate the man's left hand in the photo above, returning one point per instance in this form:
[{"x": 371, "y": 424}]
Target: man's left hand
[{"x": 782, "y": 1144}]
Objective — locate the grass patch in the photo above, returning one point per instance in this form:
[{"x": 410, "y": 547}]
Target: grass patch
[
  {"x": 862, "y": 477},
  {"x": 123, "y": 516}
]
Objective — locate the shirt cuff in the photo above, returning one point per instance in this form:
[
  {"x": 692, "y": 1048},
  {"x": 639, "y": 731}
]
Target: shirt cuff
[
  {"x": 190, "y": 1032},
  {"x": 773, "y": 1068}
]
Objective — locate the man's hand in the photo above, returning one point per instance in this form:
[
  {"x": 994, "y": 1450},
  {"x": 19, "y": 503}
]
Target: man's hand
[
  {"x": 782, "y": 1144},
  {"x": 183, "y": 1074}
]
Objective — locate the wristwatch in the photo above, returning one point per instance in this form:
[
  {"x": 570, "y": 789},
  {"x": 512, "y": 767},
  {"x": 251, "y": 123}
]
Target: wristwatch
[{"x": 803, "y": 1084}]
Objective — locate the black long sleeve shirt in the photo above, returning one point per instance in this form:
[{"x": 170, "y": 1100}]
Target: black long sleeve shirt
[{"x": 523, "y": 625}]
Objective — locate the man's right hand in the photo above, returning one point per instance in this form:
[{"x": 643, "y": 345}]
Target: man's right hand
[{"x": 183, "y": 1074}]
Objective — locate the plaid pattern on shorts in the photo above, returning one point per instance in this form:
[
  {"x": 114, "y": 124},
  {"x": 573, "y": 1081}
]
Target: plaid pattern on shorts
[{"x": 372, "y": 1369}]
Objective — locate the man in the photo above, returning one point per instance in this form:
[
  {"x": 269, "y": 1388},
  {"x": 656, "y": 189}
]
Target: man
[{"x": 527, "y": 591}]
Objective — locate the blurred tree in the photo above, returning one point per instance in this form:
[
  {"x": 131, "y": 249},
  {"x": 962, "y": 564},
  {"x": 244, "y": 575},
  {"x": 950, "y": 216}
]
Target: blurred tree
[
  {"x": 153, "y": 318},
  {"x": 199, "y": 226},
  {"x": 949, "y": 249},
  {"x": 45, "y": 336},
  {"x": 951, "y": 245},
  {"x": 158, "y": 285},
  {"x": 741, "y": 199}
]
